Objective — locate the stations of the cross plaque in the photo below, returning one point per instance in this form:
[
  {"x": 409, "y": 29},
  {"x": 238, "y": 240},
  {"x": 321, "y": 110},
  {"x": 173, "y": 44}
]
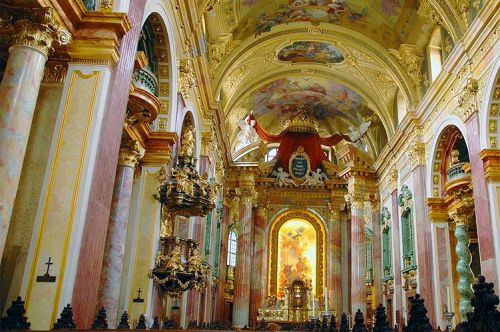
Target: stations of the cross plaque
[
  {"x": 138, "y": 298},
  {"x": 47, "y": 277}
]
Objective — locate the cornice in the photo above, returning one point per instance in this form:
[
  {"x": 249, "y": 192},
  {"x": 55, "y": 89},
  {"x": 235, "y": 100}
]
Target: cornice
[{"x": 491, "y": 162}]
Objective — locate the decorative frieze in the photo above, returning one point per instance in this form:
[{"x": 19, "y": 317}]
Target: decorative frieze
[{"x": 467, "y": 102}]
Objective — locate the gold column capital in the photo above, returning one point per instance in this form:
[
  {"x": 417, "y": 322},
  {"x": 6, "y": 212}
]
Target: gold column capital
[
  {"x": 416, "y": 154},
  {"x": 356, "y": 199},
  {"x": 34, "y": 27},
  {"x": 393, "y": 179},
  {"x": 130, "y": 154}
]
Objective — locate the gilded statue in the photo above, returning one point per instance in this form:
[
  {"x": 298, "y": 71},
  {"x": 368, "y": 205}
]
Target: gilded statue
[
  {"x": 196, "y": 261},
  {"x": 187, "y": 143},
  {"x": 173, "y": 260}
]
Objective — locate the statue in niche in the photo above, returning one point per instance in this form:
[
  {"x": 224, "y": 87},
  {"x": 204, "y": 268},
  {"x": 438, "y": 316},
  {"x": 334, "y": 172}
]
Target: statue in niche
[
  {"x": 406, "y": 204},
  {"x": 187, "y": 143},
  {"x": 385, "y": 220}
]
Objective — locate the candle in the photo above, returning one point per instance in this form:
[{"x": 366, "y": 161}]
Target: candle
[
  {"x": 448, "y": 299},
  {"x": 326, "y": 300}
]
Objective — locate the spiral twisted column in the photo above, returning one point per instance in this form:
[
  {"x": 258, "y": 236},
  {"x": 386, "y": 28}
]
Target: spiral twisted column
[{"x": 462, "y": 217}]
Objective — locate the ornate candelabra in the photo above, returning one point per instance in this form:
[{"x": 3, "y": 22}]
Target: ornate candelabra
[{"x": 179, "y": 265}]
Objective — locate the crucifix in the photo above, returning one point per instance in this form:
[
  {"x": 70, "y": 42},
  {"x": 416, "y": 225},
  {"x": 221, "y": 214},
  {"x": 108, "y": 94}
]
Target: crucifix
[
  {"x": 47, "y": 277},
  {"x": 138, "y": 298}
]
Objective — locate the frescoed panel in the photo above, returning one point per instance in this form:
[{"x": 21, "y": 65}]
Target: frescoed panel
[
  {"x": 311, "y": 51},
  {"x": 296, "y": 254}
]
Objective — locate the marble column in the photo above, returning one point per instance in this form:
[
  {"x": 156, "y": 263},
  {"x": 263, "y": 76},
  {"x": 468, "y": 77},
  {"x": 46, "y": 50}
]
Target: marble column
[
  {"x": 358, "y": 257},
  {"x": 461, "y": 217},
  {"x": 484, "y": 222},
  {"x": 377, "y": 251},
  {"x": 335, "y": 266},
  {"x": 111, "y": 275},
  {"x": 396, "y": 252},
  {"x": 259, "y": 263},
  {"x": 423, "y": 235},
  {"x": 31, "y": 41},
  {"x": 241, "y": 302},
  {"x": 220, "y": 300}
]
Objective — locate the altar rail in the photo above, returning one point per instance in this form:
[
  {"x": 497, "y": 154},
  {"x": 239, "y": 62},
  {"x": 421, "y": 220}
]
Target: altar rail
[{"x": 485, "y": 317}]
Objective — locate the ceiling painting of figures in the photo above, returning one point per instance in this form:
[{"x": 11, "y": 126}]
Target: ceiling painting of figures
[
  {"x": 311, "y": 51},
  {"x": 334, "y": 105},
  {"x": 388, "y": 21}
]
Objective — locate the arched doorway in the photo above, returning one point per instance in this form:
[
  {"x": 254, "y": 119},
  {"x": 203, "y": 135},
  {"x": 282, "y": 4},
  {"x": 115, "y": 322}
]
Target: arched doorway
[{"x": 297, "y": 250}]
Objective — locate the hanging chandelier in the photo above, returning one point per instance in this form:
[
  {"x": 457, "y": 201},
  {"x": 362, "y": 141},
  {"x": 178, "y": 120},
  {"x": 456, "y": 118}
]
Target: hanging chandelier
[{"x": 179, "y": 265}]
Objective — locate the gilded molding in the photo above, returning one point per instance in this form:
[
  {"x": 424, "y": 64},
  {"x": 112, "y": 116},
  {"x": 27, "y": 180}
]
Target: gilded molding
[
  {"x": 55, "y": 72},
  {"x": 467, "y": 102},
  {"x": 187, "y": 77},
  {"x": 34, "y": 27},
  {"x": 411, "y": 59},
  {"x": 416, "y": 154},
  {"x": 130, "y": 154},
  {"x": 426, "y": 9},
  {"x": 491, "y": 162},
  {"x": 106, "y": 5}
]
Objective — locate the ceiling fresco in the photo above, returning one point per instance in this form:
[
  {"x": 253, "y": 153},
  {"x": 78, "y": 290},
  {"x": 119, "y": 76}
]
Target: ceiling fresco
[
  {"x": 390, "y": 22},
  {"x": 311, "y": 51},
  {"x": 334, "y": 105}
]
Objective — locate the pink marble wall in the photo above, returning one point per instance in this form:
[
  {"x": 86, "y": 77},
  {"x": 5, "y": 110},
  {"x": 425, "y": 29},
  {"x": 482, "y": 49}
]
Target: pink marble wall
[
  {"x": 377, "y": 256},
  {"x": 18, "y": 91},
  {"x": 241, "y": 308},
  {"x": 86, "y": 290},
  {"x": 481, "y": 204},
  {"x": 335, "y": 277},
  {"x": 111, "y": 275},
  {"x": 396, "y": 254},
  {"x": 358, "y": 261},
  {"x": 259, "y": 264},
  {"x": 423, "y": 241}
]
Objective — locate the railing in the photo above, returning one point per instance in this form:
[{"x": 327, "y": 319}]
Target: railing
[
  {"x": 98, "y": 5},
  {"x": 456, "y": 171},
  {"x": 146, "y": 80}
]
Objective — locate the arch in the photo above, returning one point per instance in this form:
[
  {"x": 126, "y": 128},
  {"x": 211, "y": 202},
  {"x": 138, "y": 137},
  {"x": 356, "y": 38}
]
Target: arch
[
  {"x": 401, "y": 107},
  {"x": 434, "y": 184},
  {"x": 489, "y": 111},
  {"x": 321, "y": 252},
  {"x": 158, "y": 9}
]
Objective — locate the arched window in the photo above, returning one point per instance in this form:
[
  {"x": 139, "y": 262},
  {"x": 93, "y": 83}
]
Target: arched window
[
  {"x": 435, "y": 54},
  {"x": 271, "y": 154},
  {"x": 232, "y": 248},
  {"x": 401, "y": 106}
]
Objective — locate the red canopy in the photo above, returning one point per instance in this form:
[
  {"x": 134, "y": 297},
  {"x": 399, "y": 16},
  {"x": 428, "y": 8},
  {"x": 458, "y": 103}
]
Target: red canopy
[{"x": 290, "y": 141}]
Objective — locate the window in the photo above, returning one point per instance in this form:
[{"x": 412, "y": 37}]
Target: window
[
  {"x": 401, "y": 106},
  {"x": 232, "y": 247},
  {"x": 435, "y": 56},
  {"x": 271, "y": 154}
]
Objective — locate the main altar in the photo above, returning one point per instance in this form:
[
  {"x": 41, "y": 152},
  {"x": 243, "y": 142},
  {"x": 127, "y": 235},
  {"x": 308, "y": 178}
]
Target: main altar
[{"x": 297, "y": 305}]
